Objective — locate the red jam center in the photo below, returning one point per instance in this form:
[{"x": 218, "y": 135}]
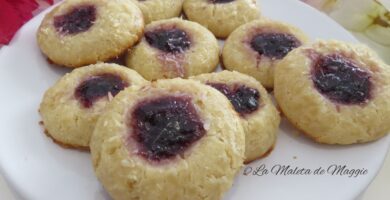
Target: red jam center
[
  {"x": 96, "y": 87},
  {"x": 169, "y": 40},
  {"x": 245, "y": 100},
  {"x": 77, "y": 20},
  {"x": 165, "y": 127},
  {"x": 341, "y": 80},
  {"x": 274, "y": 45}
]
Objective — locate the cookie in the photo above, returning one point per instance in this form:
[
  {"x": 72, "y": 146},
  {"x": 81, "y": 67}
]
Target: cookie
[
  {"x": 174, "y": 48},
  {"x": 256, "y": 47},
  {"x": 173, "y": 139},
  {"x": 71, "y": 107},
  {"x": 259, "y": 117},
  {"x": 154, "y": 10},
  {"x": 334, "y": 92},
  {"x": 82, "y": 32},
  {"x": 221, "y": 16}
]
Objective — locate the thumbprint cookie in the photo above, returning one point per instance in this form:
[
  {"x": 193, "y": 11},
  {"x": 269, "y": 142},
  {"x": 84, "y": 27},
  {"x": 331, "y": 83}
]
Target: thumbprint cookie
[
  {"x": 221, "y": 16},
  {"x": 174, "y": 48},
  {"x": 250, "y": 100},
  {"x": 334, "y": 92},
  {"x": 159, "y": 9},
  {"x": 71, "y": 107},
  {"x": 172, "y": 139},
  {"x": 255, "y": 48},
  {"x": 82, "y": 32}
]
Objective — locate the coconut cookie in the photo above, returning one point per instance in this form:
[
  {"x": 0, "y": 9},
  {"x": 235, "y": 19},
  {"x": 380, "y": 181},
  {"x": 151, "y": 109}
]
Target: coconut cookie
[
  {"x": 71, "y": 107},
  {"x": 221, "y": 16},
  {"x": 174, "y": 48},
  {"x": 159, "y": 9},
  {"x": 81, "y": 32},
  {"x": 177, "y": 138},
  {"x": 259, "y": 117},
  {"x": 256, "y": 47},
  {"x": 334, "y": 92}
]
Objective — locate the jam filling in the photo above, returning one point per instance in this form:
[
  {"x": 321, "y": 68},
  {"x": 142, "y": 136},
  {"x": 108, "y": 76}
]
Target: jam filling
[
  {"x": 171, "y": 40},
  {"x": 96, "y": 87},
  {"x": 221, "y": 1},
  {"x": 165, "y": 127},
  {"x": 77, "y": 20},
  {"x": 274, "y": 45},
  {"x": 245, "y": 100},
  {"x": 341, "y": 80}
]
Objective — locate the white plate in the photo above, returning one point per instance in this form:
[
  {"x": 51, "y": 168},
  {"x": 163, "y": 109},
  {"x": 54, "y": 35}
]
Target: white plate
[{"x": 36, "y": 168}]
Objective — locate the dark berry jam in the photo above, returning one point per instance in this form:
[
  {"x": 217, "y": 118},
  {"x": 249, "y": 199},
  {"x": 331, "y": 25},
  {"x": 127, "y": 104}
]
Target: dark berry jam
[
  {"x": 96, "y": 87},
  {"x": 165, "y": 127},
  {"x": 274, "y": 45},
  {"x": 169, "y": 40},
  {"x": 221, "y": 1},
  {"x": 341, "y": 80},
  {"x": 245, "y": 100},
  {"x": 77, "y": 20}
]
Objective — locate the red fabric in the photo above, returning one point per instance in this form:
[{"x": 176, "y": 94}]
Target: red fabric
[{"x": 13, "y": 14}]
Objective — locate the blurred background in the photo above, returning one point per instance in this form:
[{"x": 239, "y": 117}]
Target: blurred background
[{"x": 368, "y": 20}]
